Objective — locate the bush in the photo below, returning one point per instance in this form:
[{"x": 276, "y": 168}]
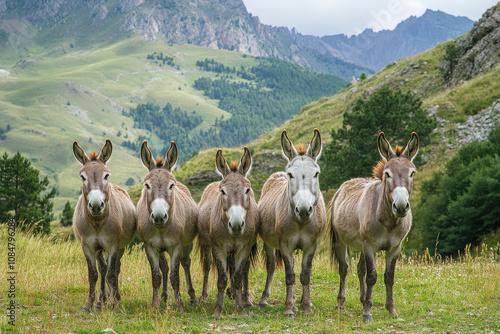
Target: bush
[{"x": 460, "y": 205}]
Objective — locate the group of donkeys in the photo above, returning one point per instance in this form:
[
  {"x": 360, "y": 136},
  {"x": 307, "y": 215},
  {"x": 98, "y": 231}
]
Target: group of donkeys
[{"x": 368, "y": 215}]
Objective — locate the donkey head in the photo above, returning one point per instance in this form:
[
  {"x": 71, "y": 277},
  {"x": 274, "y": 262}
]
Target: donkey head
[
  {"x": 398, "y": 171},
  {"x": 303, "y": 172},
  {"x": 235, "y": 191},
  {"x": 159, "y": 184},
  {"x": 94, "y": 174}
]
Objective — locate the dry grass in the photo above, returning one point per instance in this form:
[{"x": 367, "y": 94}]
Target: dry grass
[{"x": 431, "y": 294}]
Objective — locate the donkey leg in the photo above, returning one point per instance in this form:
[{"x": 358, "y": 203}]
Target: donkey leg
[
  {"x": 305, "y": 277},
  {"x": 271, "y": 267},
  {"x": 390, "y": 267},
  {"x": 246, "y": 286},
  {"x": 220, "y": 260},
  {"x": 290, "y": 279},
  {"x": 112, "y": 276},
  {"x": 186, "y": 265},
  {"x": 238, "y": 281},
  {"x": 175, "y": 256},
  {"x": 362, "y": 277},
  {"x": 342, "y": 257},
  {"x": 164, "y": 273},
  {"x": 207, "y": 263},
  {"x": 93, "y": 276},
  {"x": 230, "y": 291},
  {"x": 154, "y": 262},
  {"x": 118, "y": 268},
  {"x": 101, "y": 264},
  {"x": 371, "y": 279}
]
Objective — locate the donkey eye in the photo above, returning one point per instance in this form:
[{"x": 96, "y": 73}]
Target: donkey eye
[
  {"x": 413, "y": 172},
  {"x": 247, "y": 191},
  {"x": 388, "y": 175},
  {"x": 147, "y": 186},
  {"x": 106, "y": 177},
  {"x": 316, "y": 175},
  {"x": 83, "y": 178},
  {"x": 171, "y": 186},
  {"x": 290, "y": 175},
  {"x": 223, "y": 192}
]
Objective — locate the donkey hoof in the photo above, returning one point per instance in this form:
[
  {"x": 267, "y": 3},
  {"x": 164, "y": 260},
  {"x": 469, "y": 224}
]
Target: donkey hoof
[
  {"x": 262, "y": 305},
  {"x": 367, "y": 318},
  {"x": 216, "y": 315},
  {"x": 98, "y": 307},
  {"x": 248, "y": 304},
  {"x": 288, "y": 314},
  {"x": 194, "y": 302}
]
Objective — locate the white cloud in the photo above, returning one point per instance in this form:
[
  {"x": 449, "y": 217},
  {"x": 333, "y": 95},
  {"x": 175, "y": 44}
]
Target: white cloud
[{"x": 329, "y": 17}]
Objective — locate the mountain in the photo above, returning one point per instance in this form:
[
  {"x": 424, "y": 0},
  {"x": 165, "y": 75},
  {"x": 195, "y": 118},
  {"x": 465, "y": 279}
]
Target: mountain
[
  {"x": 223, "y": 25},
  {"x": 412, "y": 36}
]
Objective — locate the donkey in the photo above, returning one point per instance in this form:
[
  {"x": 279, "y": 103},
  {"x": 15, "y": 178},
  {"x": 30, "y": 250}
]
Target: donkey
[
  {"x": 167, "y": 217},
  {"x": 104, "y": 221},
  {"x": 227, "y": 224},
  {"x": 293, "y": 216},
  {"x": 370, "y": 215}
]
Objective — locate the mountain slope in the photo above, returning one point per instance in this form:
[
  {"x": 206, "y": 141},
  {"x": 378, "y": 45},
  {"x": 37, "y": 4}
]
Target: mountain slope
[
  {"x": 220, "y": 25},
  {"x": 412, "y": 36}
]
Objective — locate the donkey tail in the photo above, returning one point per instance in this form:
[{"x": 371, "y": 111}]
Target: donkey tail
[
  {"x": 254, "y": 255},
  {"x": 279, "y": 258}
]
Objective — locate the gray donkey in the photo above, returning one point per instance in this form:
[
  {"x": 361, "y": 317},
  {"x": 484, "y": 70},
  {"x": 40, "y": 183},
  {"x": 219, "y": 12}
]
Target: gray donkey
[
  {"x": 104, "y": 221},
  {"x": 167, "y": 221}
]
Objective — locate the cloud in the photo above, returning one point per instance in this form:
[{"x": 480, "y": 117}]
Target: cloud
[{"x": 329, "y": 17}]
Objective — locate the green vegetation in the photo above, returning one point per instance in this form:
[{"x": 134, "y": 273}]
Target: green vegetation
[
  {"x": 165, "y": 60},
  {"x": 21, "y": 195},
  {"x": 432, "y": 294},
  {"x": 459, "y": 206},
  {"x": 277, "y": 92},
  {"x": 351, "y": 152},
  {"x": 67, "y": 215},
  {"x": 451, "y": 59}
]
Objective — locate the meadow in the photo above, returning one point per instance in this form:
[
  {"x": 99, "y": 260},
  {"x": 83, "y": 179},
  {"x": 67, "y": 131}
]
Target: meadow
[{"x": 432, "y": 294}]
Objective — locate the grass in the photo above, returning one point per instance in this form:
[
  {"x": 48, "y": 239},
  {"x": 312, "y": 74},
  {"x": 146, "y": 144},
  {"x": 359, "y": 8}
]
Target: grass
[{"x": 431, "y": 294}]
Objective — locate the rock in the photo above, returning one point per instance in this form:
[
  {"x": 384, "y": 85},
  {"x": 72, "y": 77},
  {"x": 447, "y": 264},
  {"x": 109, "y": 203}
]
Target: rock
[{"x": 202, "y": 177}]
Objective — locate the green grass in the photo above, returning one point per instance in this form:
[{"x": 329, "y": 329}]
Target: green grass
[{"x": 431, "y": 294}]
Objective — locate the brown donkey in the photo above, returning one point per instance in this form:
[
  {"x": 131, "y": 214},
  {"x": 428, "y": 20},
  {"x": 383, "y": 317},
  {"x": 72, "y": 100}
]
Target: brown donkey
[
  {"x": 104, "y": 221},
  {"x": 370, "y": 215},
  {"x": 227, "y": 224},
  {"x": 167, "y": 217},
  {"x": 293, "y": 216}
]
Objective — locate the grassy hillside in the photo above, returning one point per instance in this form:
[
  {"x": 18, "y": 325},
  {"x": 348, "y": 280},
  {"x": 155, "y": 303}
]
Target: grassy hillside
[
  {"x": 51, "y": 97},
  {"x": 431, "y": 294}
]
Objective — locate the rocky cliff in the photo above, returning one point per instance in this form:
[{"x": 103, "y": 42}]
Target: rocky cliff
[{"x": 477, "y": 52}]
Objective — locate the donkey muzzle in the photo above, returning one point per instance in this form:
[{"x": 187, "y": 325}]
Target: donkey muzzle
[
  {"x": 95, "y": 202},
  {"x": 159, "y": 212},
  {"x": 236, "y": 223},
  {"x": 401, "y": 202}
]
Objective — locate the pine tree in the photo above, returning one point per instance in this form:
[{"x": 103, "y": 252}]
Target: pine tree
[
  {"x": 67, "y": 215},
  {"x": 21, "y": 195}
]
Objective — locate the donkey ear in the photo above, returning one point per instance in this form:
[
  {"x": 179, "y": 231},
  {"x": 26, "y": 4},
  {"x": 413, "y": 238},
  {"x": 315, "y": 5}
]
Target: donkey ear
[
  {"x": 106, "y": 151},
  {"x": 287, "y": 147},
  {"x": 171, "y": 157},
  {"x": 246, "y": 162},
  {"x": 147, "y": 156},
  {"x": 314, "y": 149},
  {"x": 384, "y": 148},
  {"x": 411, "y": 149},
  {"x": 221, "y": 164},
  {"x": 79, "y": 153}
]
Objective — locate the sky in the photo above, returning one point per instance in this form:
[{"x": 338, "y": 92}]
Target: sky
[{"x": 330, "y": 17}]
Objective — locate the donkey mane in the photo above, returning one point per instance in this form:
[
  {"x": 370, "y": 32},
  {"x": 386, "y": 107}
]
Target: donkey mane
[
  {"x": 378, "y": 169},
  {"x": 301, "y": 149},
  {"x": 159, "y": 161},
  {"x": 93, "y": 155},
  {"x": 234, "y": 166}
]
